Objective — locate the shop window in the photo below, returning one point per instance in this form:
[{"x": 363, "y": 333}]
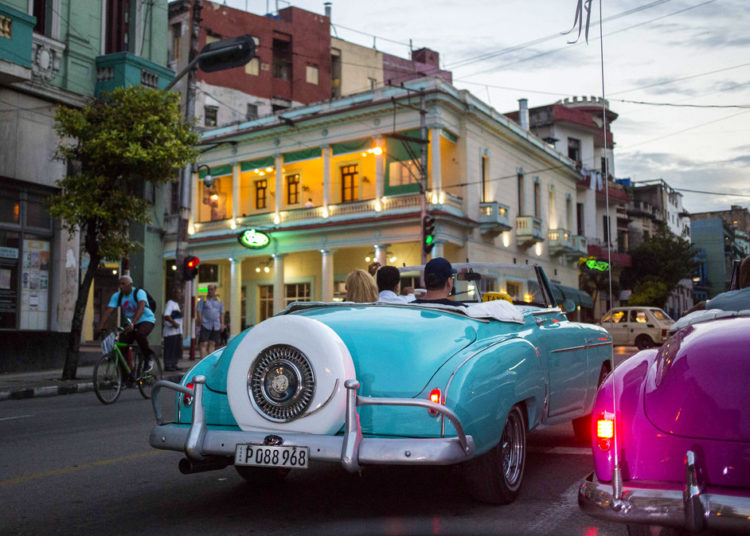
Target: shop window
[
  {"x": 349, "y": 183},
  {"x": 208, "y": 273},
  {"x": 296, "y": 292},
  {"x": 292, "y": 189},
  {"x": 10, "y": 207}
]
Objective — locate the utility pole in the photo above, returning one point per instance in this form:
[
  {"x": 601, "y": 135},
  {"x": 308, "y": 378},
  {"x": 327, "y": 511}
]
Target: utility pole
[
  {"x": 186, "y": 179},
  {"x": 423, "y": 186}
]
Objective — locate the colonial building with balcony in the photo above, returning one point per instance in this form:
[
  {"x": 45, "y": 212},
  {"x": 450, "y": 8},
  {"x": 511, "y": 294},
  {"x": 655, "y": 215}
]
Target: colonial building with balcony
[
  {"x": 297, "y": 200},
  {"x": 55, "y": 52}
]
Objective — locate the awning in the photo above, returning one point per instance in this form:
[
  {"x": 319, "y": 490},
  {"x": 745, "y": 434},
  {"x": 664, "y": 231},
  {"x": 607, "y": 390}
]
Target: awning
[{"x": 579, "y": 297}]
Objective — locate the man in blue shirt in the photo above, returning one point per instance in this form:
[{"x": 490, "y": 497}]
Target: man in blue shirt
[
  {"x": 211, "y": 321},
  {"x": 140, "y": 317}
]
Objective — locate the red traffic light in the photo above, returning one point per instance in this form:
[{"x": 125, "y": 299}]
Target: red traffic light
[
  {"x": 192, "y": 262},
  {"x": 190, "y": 267}
]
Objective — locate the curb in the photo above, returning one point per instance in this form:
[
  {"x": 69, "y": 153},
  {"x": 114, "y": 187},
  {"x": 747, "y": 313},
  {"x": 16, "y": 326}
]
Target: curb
[{"x": 47, "y": 390}]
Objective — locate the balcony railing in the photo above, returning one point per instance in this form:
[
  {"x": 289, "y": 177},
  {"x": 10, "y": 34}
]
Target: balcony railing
[
  {"x": 123, "y": 69},
  {"x": 560, "y": 241},
  {"x": 580, "y": 246},
  {"x": 528, "y": 230},
  {"x": 494, "y": 217}
]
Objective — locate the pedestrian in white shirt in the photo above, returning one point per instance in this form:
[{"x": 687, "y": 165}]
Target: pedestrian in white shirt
[
  {"x": 172, "y": 331},
  {"x": 389, "y": 279}
]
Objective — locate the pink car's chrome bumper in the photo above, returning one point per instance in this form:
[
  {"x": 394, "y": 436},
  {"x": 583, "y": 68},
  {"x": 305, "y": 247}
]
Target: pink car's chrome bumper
[{"x": 690, "y": 507}]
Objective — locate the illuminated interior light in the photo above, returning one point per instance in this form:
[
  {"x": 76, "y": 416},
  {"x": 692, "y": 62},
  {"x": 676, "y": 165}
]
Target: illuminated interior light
[
  {"x": 392, "y": 259},
  {"x": 257, "y": 269},
  {"x": 191, "y": 229},
  {"x": 114, "y": 272},
  {"x": 269, "y": 169},
  {"x": 262, "y": 173},
  {"x": 442, "y": 198},
  {"x": 527, "y": 297},
  {"x": 266, "y": 269},
  {"x": 232, "y": 224},
  {"x": 325, "y": 212},
  {"x": 377, "y": 151},
  {"x": 276, "y": 218},
  {"x": 506, "y": 239},
  {"x": 538, "y": 248},
  {"x": 378, "y": 206},
  {"x": 364, "y": 154},
  {"x": 434, "y": 198},
  {"x": 368, "y": 258},
  {"x": 214, "y": 197},
  {"x": 174, "y": 268}
]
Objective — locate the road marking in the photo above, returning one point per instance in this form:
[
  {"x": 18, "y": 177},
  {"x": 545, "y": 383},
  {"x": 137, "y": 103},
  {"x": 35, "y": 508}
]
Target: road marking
[
  {"x": 570, "y": 451},
  {"x": 16, "y": 417},
  {"x": 66, "y": 470}
]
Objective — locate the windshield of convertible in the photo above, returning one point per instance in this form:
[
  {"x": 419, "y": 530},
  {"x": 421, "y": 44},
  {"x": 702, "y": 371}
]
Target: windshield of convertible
[{"x": 480, "y": 282}]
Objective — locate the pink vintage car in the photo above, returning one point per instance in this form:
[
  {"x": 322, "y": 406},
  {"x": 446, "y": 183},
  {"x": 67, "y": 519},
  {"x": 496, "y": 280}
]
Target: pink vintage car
[{"x": 671, "y": 433}]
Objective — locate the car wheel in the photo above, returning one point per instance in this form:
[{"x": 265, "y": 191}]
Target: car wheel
[
  {"x": 653, "y": 530},
  {"x": 287, "y": 374},
  {"x": 644, "y": 341},
  {"x": 582, "y": 425},
  {"x": 496, "y": 476},
  {"x": 265, "y": 476}
]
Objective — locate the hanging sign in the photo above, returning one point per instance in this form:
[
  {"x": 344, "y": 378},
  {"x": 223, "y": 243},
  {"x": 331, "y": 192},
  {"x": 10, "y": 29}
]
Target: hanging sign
[
  {"x": 600, "y": 266},
  {"x": 252, "y": 239}
]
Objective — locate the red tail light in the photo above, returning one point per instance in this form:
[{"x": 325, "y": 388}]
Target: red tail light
[
  {"x": 605, "y": 431},
  {"x": 436, "y": 397},
  {"x": 187, "y": 399}
]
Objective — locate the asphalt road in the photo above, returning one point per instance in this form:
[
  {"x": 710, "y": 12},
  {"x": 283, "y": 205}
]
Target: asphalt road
[{"x": 69, "y": 465}]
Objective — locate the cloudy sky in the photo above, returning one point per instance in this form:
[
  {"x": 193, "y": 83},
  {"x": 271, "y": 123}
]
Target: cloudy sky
[{"x": 676, "y": 71}]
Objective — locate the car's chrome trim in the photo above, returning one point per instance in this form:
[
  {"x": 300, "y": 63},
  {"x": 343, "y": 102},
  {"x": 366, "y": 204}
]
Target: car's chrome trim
[
  {"x": 690, "y": 509},
  {"x": 351, "y": 450},
  {"x": 569, "y": 349}
]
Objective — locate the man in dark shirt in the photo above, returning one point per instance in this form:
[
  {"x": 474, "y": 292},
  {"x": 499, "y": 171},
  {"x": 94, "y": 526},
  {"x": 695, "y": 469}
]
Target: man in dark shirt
[{"x": 438, "y": 280}]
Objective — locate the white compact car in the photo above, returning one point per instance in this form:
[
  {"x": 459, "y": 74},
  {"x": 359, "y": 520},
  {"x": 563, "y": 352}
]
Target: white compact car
[{"x": 643, "y": 327}]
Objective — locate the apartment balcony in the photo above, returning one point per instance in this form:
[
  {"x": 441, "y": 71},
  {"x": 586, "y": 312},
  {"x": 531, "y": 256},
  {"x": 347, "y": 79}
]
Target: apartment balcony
[
  {"x": 560, "y": 241},
  {"x": 124, "y": 69},
  {"x": 494, "y": 218},
  {"x": 602, "y": 252},
  {"x": 580, "y": 246},
  {"x": 342, "y": 214},
  {"x": 528, "y": 230},
  {"x": 16, "y": 31}
]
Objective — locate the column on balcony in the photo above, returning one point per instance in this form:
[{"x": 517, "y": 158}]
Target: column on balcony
[
  {"x": 278, "y": 283},
  {"x": 381, "y": 251},
  {"x": 327, "y": 151},
  {"x": 326, "y": 286},
  {"x": 279, "y": 195},
  {"x": 235, "y": 296},
  {"x": 235, "y": 191},
  {"x": 438, "y": 249},
  {"x": 436, "y": 177},
  {"x": 379, "y": 170}
]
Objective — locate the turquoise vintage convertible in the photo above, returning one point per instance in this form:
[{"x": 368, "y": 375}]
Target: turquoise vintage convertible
[{"x": 392, "y": 384}]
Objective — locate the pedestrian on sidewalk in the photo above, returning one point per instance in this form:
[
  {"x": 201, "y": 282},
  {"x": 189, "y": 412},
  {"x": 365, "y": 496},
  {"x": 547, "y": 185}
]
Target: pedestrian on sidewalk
[
  {"x": 172, "y": 331},
  {"x": 211, "y": 321},
  {"x": 136, "y": 310}
]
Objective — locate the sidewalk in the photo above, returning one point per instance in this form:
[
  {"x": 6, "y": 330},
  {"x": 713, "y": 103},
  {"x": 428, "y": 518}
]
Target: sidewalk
[{"x": 14, "y": 386}]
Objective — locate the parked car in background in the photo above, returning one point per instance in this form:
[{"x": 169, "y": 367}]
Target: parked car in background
[
  {"x": 676, "y": 423},
  {"x": 643, "y": 327},
  {"x": 366, "y": 384}
]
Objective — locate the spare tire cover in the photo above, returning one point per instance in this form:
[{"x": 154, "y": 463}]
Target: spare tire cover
[{"x": 288, "y": 374}]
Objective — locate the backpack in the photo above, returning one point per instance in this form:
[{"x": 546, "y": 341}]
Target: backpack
[{"x": 149, "y": 299}]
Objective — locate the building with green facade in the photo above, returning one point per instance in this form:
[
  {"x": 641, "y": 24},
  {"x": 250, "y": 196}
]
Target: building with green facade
[{"x": 52, "y": 53}]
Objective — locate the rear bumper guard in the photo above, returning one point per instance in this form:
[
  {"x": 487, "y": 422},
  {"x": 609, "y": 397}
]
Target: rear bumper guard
[
  {"x": 690, "y": 508},
  {"x": 351, "y": 450}
]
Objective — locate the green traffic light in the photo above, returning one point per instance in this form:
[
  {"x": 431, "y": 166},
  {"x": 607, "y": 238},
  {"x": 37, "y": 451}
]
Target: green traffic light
[{"x": 429, "y": 239}]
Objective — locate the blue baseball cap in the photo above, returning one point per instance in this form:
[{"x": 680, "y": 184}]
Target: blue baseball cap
[{"x": 437, "y": 272}]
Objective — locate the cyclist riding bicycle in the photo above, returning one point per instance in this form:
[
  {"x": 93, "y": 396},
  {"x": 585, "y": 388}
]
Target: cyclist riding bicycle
[{"x": 140, "y": 317}]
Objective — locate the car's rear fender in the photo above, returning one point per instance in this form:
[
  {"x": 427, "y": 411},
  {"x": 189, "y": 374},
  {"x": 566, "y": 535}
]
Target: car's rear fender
[{"x": 483, "y": 386}]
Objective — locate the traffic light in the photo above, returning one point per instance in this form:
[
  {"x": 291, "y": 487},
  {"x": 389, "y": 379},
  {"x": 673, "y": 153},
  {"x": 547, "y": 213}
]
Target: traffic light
[
  {"x": 226, "y": 54},
  {"x": 428, "y": 233},
  {"x": 190, "y": 267}
]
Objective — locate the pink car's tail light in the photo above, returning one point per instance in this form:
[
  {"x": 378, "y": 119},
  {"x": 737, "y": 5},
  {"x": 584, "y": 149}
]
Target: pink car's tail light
[{"x": 605, "y": 431}]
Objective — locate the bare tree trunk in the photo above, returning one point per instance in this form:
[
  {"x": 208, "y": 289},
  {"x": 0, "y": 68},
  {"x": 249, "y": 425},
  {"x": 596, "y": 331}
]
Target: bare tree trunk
[{"x": 72, "y": 354}]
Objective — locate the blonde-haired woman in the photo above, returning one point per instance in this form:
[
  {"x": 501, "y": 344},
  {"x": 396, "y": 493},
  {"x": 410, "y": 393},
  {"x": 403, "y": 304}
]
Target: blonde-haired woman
[{"x": 361, "y": 287}]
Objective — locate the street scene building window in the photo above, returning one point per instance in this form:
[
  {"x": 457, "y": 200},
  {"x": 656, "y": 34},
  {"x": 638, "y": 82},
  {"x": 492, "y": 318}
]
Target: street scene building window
[
  {"x": 349, "y": 183},
  {"x": 574, "y": 149},
  {"x": 176, "y": 51},
  {"x": 118, "y": 26},
  {"x": 312, "y": 74},
  {"x": 261, "y": 189},
  {"x": 210, "y": 115},
  {"x": 252, "y": 67},
  {"x": 292, "y": 292},
  {"x": 292, "y": 189},
  {"x": 252, "y": 111},
  {"x": 404, "y": 172},
  {"x": 42, "y": 10},
  {"x": 484, "y": 164},
  {"x": 521, "y": 194},
  {"x": 537, "y": 200},
  {"x": 282, "y": 56}
]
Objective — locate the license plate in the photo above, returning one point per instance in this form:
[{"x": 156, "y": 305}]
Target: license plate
[{"x": 272, "y": 456}]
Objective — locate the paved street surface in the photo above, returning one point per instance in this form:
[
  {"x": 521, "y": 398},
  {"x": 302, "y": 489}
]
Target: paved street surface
[{"x": 70, "y": 465}]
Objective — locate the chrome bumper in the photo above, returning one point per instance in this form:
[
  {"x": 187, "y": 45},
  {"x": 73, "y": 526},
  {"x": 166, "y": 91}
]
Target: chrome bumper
[
  {"x": 691, "y": 509},
  {"x": 351, "y": 450}
]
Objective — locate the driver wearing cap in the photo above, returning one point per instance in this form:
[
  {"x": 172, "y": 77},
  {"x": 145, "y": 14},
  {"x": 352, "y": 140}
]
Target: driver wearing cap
[{"x": 438, "y": 280}]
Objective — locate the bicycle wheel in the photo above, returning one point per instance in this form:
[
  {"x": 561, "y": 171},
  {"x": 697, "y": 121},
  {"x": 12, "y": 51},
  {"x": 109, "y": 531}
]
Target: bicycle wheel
[
  {"x": 146, "y": 380},
  {"x": 107, "y": 378}
]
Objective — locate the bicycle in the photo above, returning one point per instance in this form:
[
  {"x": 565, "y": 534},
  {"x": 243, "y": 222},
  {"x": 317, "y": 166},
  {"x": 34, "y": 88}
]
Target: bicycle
[{"x": 113, "y": 372}]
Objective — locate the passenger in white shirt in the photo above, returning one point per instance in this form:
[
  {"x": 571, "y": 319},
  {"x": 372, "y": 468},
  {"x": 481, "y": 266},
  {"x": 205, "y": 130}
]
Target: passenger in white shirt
[{"x": 389, "y": 279}]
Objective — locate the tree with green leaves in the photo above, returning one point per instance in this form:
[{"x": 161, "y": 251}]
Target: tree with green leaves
[
  {"x": 658, "y": 265},
  {"x": 117, "y": 143}
]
